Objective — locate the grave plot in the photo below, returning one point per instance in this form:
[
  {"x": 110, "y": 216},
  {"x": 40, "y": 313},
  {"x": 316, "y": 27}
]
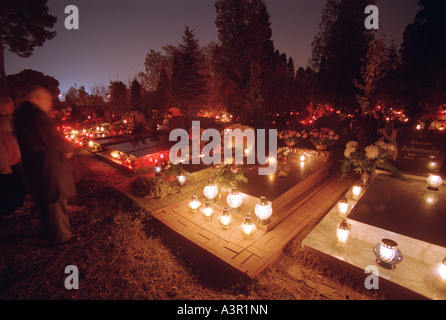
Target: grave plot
[
  {"x": 395, "y": 227},
  {"x": 133, "y": 154},
  {"x": 292, "y": 198}
]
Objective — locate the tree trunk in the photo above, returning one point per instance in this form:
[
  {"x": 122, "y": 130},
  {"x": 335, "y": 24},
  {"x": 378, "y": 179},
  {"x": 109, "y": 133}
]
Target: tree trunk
[{"x": 3, "y": 83}]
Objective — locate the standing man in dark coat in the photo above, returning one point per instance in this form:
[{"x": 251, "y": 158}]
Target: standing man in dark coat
[{"x": 46, "y": 161}]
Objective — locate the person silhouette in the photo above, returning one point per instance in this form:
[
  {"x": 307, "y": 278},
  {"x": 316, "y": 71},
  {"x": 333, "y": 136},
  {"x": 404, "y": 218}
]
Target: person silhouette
[{"x": 46, "y": 161}]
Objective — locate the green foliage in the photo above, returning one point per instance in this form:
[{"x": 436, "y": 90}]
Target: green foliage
[
  {"x": 244, "y": 33},
  {"x": 337, "y": 59},
  {"x": 24, "y": 25},
  {"x": 228, "y": 176},
  {"x": 171, "y": 170},
  {"x": 135, "y": 96},
  {"x": 21, "y": 82},
  {"x": 188, "y": 81},
  {"x": 118, "y": 96},
  {"x": 424, "y": 60},
  {"x": 149, "y": 187}
]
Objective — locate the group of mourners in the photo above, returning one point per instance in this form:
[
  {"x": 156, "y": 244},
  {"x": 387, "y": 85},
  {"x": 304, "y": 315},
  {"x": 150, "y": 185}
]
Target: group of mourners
[{"x": 35, "y": 164}]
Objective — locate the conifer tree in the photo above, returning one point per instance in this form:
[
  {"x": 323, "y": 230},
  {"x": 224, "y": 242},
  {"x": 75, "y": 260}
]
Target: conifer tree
[
  {"x": 423, "y": 55},
  {"x": 244, "y": 32},
  {"x": 24, "y": 25},
  {"x": 339, "y": 52},
  {"x": 188, "y": 82}
]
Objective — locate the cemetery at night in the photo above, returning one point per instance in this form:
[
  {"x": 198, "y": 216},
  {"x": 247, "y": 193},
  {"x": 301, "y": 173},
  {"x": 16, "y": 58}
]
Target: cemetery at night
[{"x": 251, "y": 151}]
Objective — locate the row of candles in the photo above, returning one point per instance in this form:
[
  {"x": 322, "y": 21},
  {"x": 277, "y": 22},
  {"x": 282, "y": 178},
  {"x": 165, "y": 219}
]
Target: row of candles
[
  {"x": 386, "y": 252},
  {"x": 263, "y": 210}
]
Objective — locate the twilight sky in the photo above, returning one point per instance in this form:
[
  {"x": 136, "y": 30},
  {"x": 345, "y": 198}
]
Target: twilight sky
[{"x": 115, "y": 35}]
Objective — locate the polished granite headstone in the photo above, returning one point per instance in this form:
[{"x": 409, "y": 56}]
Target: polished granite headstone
[
  {"x": 420, "y": 151},
  {"x": 406, "y": 208}
]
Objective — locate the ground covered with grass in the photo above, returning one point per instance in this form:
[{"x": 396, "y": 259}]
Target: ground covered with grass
[{"x": 122, "y": 253}]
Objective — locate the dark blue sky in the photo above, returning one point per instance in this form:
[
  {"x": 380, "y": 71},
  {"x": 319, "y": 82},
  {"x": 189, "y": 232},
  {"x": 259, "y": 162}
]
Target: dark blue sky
[{"x": 115, "y": 35}]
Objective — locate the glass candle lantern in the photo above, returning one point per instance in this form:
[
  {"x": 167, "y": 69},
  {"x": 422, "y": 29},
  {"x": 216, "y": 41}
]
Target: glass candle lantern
[
  {"x": 225, "y": 219},
  {"x": 387, "y": 254},
  {"x": 207, "y": 210},
  {"x": 343, "y": 233},
  {"x": 434, "y": 181},
  {"x": 181, "y": 178},
  {"x": 234, "y": 199},
  {"x": 248, "y": 228},
  {"x": 343, "y": 207},
  {"x": 194, "y": 203},
  {"x": 210, "y": 191},
  {"x": 442, "y": 270},
  {"x": 263, "y": 211},
  {"x": 357, "y": 190}
]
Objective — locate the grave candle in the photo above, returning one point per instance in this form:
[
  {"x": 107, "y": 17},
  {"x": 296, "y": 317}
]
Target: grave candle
[
  {"x": 343, "y": 206},
  {"x": 387, "y": 254},
  {"x": 343, "y": 232},
  {"x": 234, "y": 199},
  {"x": 210, "y": 190},
  {"x": 225, "y": 219},
  {"x": 434, "y": 181},
  {"x": 248, "y": 228},
  {"x": 263, "y": 211},
  {"x": 194, "y": 203},
  {"x": 356, "y": 190},
  {"x": 208, "y": 210},
  {"x": 181, "y": 179},
  {"x": 442, "y": 270},
  {"x": 157, "y": 169}
]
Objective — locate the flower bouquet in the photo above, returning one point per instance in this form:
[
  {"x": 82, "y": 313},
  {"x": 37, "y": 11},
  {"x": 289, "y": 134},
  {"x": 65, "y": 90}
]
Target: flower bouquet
[
  {"x": 292, "y": 137},
  {"x": 171, "y": 170},
  {"x": 323, "y": 138},
  {"x": 228, "y": 176},
  {"x": 365, "y": 160},
  {"x": 283, "y": 154}
]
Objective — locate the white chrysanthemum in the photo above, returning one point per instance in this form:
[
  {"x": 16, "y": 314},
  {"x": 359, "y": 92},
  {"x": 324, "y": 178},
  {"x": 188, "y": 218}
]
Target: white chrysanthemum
[
  {"x": 348, "y": 152},
  {"x": 371, "y": 152},
  {"x": 390, "y": 147},
  {"x": 380, "y": 144},
  {"x": 351, "y": 145}
]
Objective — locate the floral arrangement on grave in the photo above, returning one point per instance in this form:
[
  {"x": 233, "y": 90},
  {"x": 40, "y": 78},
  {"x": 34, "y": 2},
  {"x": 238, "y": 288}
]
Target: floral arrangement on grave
[
  {"x": 283, "y": 154},
  {"x": 292, "y": 137},
  {"x": 228, "y": 176},
  {"x": 323, "y": 138},
  {"x": 171, "y": 170},
  {"x": 365, "y": 160}
]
